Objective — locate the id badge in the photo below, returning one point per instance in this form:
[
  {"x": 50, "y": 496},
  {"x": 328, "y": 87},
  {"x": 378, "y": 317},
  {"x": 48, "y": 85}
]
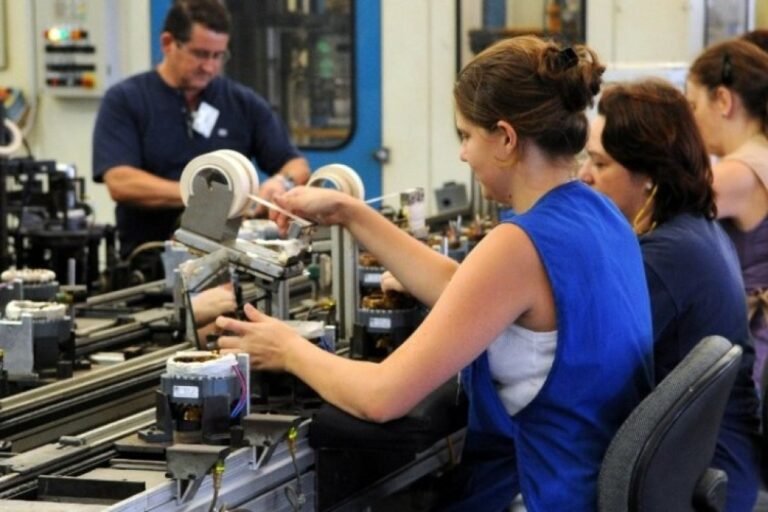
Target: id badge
[{"x": 205, "y": 119}]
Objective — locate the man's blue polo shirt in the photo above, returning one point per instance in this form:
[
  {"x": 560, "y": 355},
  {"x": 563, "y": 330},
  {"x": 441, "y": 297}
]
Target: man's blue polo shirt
[{"x": 144, "y": 123}]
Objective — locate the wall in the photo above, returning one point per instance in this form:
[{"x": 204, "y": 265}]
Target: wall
[
  {"x": 632, "y": 31},
  {"x": 418, "y": 71},
  {"x": 418, "y": 66},
  {"x": 63, "y": 127},
  {"x": 761, "y": 14}
]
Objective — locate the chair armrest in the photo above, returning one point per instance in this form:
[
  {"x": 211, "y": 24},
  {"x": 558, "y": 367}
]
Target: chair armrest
[{"x": 711, "y": 490}]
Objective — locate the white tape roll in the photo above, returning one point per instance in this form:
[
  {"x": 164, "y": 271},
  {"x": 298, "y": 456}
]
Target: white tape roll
[
  {"x": 342, "y": 177},
  {"x": 234, "y": 168},
  {"x": 16, "y": 139},
  {"x": 246, "y": 167}
]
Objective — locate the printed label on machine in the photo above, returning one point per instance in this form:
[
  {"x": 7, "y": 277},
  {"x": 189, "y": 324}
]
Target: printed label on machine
[
  {"x": 379, "y": 323},
  {"x": 186, "y": 392},
  {"x": 372, "y": 278}
]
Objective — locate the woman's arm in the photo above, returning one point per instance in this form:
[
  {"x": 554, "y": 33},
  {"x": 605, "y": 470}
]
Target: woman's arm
[
  {"x": 421, "y": 270},
  {"x": 734, "y": 184},
  {"x": 501, "y": 281}
]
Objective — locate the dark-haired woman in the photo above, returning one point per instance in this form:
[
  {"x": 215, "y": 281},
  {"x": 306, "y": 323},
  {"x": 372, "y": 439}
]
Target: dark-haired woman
[
  {"x": 646, "y": 154},
  {"x": 727, "y": 88},
  {"x": 550, "y": 310}
]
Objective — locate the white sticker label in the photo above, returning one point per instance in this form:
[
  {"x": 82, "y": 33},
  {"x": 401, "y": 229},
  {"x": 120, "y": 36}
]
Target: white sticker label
[
  {"x": 204, "y": 119},
  {"x": 372, "y": 278},
  {"x": 186, "y": 392},
  {"x": 379, "y": 323}
]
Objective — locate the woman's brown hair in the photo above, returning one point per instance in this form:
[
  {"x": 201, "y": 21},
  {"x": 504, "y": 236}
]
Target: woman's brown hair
[
  {"x": 650, "y": 130},
  {"x": 741, "y": 67},
  {"x": 535, "y": 85}
]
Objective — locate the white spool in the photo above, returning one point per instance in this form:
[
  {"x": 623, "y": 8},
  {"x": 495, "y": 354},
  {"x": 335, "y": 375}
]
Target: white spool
[
  {"x": 342, "y": 177},
  {"x": 16, "y": 138},
  {"x": 237, "y": 171}
]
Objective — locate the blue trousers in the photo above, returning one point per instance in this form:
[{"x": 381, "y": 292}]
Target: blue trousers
[
  {"x": 486, "y": 479},
  {"x": 737, "y": 454}
]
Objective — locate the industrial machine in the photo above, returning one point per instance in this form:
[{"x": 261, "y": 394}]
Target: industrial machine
[
  {"x": 154, "y": 418},
  {"x": 48, "y": 223}
]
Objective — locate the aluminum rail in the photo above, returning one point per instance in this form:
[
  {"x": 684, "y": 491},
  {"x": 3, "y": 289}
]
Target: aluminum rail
[{"x": 42, "y": 414}]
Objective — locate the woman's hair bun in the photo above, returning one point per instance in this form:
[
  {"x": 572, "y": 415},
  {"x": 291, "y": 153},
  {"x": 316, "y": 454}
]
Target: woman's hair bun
[{"x": 575, "y": 72}]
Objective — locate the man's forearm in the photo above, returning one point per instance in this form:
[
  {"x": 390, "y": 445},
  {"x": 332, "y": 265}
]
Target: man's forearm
[{"x": 140, "y": 188}]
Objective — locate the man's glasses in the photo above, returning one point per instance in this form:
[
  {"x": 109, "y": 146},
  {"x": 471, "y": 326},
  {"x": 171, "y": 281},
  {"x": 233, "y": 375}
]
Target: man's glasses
[{"x": 205, "y": 55}]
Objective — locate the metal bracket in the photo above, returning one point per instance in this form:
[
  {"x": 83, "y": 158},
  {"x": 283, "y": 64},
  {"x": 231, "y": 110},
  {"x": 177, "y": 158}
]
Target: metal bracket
[
  {"x": 189, "y": 463},
  {"x": 266, "y": 431}
]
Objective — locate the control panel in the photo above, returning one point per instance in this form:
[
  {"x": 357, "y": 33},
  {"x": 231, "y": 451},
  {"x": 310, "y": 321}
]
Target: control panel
[{"x": 77, "y": 47}]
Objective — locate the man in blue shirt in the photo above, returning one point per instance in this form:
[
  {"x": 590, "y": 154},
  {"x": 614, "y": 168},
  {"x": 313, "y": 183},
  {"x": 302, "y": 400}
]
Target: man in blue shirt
[{"x": 151, "y": 125}]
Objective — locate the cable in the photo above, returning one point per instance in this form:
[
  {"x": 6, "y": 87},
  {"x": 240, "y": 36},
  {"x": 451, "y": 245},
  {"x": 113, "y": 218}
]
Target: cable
[
  {"x": 26, "y": 146},
  {"x": 218, "y": 472},
  {"x": 243, "y": 392},
  {"x": 294, "y": 496},
  {"x": 146, "y": 246},
  {"x": 16, "y": 138}
]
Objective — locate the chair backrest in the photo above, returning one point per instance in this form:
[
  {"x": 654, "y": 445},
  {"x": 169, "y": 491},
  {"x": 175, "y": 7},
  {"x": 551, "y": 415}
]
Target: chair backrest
[{"x": 665, "y": 446}]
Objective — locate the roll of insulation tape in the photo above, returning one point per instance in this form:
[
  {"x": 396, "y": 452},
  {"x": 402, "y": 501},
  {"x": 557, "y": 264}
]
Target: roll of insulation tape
[
  {"x": 37, "y": 310},
  {"x": 28, "y": 275},
  {"x": 342, "y": 177},
  {"x": 234, "y": 168},
  {"x": 200, "y": 363},
  {"x": 16, "y": 139}
]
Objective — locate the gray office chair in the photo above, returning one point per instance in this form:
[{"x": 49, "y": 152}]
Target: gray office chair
[{"x": 659, "y": 459}]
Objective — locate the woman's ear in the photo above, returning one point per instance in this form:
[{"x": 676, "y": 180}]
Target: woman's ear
[
  {"x": 724, "y": 99},
  {"x": 509, "y": 136}
]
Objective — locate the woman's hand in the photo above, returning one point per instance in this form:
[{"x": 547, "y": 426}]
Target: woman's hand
[
  {"x": 268, "y": 341},
  {"x": 320, "y": 205},
  {"x": 213, "y": 302},
  {"x": 390, "y": 283}
]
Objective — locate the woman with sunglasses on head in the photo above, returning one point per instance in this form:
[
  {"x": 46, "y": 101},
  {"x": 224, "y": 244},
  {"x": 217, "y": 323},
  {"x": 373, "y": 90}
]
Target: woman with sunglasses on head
[
  {"x": 727, "y": 88},
  {"x": 549, "y": 313},
  {"x": 646, "y": 154}
]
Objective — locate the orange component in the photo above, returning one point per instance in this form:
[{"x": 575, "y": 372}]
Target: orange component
[{"x": 88, "y": 80}]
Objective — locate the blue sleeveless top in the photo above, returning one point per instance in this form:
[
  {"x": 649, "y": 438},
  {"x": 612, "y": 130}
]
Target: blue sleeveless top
[{"x": 603, "y": 361}]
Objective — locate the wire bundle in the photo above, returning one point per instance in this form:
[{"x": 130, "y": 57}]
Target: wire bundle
[{"x": 243, "y": 392}]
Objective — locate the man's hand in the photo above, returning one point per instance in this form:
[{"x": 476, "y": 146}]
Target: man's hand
[{"x": 277, "y": 184}]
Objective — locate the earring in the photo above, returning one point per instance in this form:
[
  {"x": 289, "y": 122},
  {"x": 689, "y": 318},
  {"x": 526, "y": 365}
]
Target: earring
[{"x": 649, "y": 186}]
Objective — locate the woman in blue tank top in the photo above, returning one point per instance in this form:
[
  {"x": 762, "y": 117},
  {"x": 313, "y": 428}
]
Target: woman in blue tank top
[
  {"x": 561, "y": 284},
  {"x": 647, "y": 155}
]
